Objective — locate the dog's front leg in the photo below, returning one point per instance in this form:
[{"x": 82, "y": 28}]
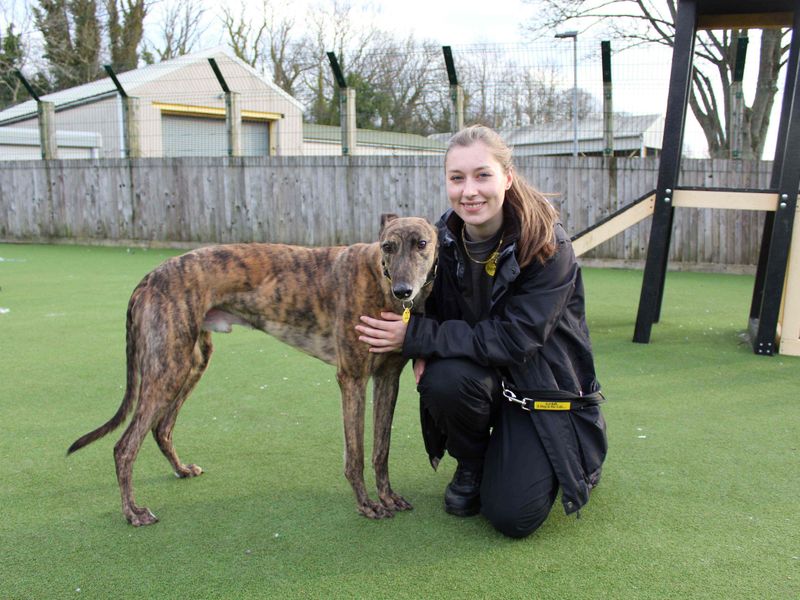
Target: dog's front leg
[
  {"x": 353, "y": 401},
  {"x": 384, "y": 397}
]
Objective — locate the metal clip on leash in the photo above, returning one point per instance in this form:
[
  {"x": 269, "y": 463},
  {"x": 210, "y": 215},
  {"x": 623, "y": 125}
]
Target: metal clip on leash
[
  {"x": 553, "y": 400},
  {"x": 512, "y": 397}
]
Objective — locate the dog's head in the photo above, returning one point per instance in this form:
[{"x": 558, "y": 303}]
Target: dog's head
[{"x": 409, "y": 252}]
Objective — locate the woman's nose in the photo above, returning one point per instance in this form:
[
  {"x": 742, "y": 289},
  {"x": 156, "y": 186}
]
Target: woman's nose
[{"x": 469, "y": 187}]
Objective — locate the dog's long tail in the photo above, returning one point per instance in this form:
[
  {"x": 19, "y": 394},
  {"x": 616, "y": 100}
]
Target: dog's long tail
[{"x": 131, "y": 390}]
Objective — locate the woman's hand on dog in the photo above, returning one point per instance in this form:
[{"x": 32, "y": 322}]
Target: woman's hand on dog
[{"x": 383, "y": 335}]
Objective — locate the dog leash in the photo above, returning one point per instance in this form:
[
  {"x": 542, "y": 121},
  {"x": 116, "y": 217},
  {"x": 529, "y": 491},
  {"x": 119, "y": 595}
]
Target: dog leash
[{"x": 552, "y": 399}]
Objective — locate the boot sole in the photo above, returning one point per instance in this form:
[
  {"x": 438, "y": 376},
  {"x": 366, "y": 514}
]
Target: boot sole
[{"x": 470, "y": 511}]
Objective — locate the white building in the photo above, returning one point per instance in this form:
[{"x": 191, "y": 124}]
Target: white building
[
  {"x": 181, "y": 112},
  {"x": 327, "y": 140},
  {"x": 633, "y": 135}
]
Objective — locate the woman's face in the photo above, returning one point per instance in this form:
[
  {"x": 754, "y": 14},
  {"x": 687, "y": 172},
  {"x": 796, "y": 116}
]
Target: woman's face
[{"x": 476, "y": 188}]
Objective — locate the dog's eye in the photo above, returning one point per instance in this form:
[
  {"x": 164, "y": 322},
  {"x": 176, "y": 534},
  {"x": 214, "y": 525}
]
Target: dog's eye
[
  {"x": 421, "y": 244},
  {"x": 387, "y": 247}
]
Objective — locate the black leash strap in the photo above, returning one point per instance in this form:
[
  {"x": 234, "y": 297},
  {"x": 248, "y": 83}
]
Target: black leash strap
[{"x": 531, "y": 400}]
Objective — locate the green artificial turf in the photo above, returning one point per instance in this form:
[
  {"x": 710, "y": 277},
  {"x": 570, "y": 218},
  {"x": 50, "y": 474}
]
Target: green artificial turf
[{"x": 699, "y": 497}]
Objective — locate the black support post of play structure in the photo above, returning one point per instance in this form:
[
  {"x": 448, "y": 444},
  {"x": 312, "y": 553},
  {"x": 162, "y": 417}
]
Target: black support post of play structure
[
  {"x": 775, "y": 244},
  {"x": 680, "y": 82},
  {"x": 774, "y": 255}
]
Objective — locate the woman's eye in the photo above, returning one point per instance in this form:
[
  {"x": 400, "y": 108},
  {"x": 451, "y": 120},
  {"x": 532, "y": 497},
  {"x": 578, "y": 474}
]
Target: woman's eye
[{"x": 456, "y": 178}]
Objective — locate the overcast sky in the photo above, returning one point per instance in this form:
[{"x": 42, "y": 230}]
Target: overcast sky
[{"x": 457, "y": 22}]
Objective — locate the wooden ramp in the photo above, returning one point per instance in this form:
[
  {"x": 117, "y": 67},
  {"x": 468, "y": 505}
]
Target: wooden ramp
[{"x": 615, "y": 223}]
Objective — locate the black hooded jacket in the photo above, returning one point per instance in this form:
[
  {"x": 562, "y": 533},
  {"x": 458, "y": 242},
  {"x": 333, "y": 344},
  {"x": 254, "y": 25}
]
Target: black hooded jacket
[{"x": 536, "y": 337}]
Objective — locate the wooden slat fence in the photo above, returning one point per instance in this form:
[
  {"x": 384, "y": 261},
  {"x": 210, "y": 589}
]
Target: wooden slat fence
[{"x": 339, "y": 200}]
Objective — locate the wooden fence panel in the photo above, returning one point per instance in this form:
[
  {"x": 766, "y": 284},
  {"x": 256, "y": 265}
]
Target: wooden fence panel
[{"x": 320, "y": 200}]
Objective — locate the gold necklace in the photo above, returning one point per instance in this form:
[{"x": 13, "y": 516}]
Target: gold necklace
[{"x": 491, "y": 262}]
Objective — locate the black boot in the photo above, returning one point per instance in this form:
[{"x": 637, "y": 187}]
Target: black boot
[{"x": 462, "y": 497}]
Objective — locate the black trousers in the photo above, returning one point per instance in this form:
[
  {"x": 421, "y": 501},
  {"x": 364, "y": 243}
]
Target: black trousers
[{"x": 466, "y": 404}]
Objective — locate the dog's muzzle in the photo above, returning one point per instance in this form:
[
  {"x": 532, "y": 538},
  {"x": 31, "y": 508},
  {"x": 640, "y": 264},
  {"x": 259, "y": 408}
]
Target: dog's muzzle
[{"x": 402, "y": 291}]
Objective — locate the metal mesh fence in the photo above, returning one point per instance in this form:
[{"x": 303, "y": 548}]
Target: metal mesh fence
[
  {"x": 547, "y": 97},
  {"x": 403, "y": 105}
]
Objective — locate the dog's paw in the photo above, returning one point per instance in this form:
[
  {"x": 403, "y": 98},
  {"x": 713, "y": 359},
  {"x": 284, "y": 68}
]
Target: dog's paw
[
  {"x": 374, "y": 510},
  {"x": 395, "y": 502},
  {"x": 139, "y": 517},
  {"x": 188, "y": 471}
]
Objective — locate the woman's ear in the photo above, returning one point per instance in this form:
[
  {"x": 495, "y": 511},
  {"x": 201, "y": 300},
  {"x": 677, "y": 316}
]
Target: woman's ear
[{"x": 509, "y": 179}]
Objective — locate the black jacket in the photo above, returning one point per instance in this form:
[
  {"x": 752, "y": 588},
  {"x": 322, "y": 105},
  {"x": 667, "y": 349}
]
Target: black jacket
[{"x": 536, "y": 337}]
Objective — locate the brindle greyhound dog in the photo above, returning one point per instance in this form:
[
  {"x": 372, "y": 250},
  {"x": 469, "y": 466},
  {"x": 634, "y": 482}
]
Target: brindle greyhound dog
[{"x": 310, "y": 298}]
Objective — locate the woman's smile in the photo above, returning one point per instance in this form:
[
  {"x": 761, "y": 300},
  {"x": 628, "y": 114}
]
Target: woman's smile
[{"x": 473, "y": 206}]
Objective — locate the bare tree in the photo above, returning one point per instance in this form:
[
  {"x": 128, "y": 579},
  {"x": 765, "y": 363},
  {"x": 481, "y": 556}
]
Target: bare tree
[
  {"x": 536, "y": 98},
  {"x": 180, "y": 28},
  {"x": 331, "y": 27},
  {"x": 503, "y": 92},
  {"x": 403, "y": 85},
  {"x": 244, "y": 34},
  {"x": 652, "y": 22},
  {"x": 267, "y": 42},
  {"x": 400, "y": 83}
]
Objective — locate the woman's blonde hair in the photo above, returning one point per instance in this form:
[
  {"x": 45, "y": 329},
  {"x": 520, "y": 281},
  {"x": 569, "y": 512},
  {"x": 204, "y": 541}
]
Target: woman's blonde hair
[{"x": 536, "y": 216}]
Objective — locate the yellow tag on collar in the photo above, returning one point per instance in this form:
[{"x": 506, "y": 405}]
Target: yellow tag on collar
[{"x": 406, "y": 315}]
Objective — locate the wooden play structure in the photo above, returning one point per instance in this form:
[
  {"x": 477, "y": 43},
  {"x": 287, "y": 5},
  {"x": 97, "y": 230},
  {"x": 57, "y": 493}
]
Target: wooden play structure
[{"x": 774, "y": 323}]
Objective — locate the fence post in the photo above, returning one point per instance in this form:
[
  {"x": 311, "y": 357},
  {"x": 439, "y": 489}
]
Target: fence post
[
  {"x": 233, "y": 123},
  {"x": 47, "y": 129},
  {"x": 348, "y": 120},
  {"x": 456, "y": 91},
  {"x": 133, "y": 145},
  {"x": 130, "y": 117},
  {"x": 347, "y": 108},
  {"x": 457, "y": 98},
  {"x": 233, "y": 113},
  {"x": 608, "y": 107},
  {"x": 46, "y": 112}
]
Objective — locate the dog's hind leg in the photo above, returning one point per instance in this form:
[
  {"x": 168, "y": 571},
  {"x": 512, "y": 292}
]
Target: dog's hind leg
[
  {"x": 384, "y": 397},
  {"x": 156, "y": 392},
  {"x": 162, "y": 431},
  {"x": 125, "y": 453},
  {"x": 353, "y": 401}
]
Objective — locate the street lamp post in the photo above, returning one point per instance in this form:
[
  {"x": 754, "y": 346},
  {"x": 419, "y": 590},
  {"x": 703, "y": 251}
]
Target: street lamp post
[{"x": 574, "y": 36}]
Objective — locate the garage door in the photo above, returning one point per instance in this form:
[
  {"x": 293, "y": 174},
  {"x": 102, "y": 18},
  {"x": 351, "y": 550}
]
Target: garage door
[{"x": 199, "y": 136}]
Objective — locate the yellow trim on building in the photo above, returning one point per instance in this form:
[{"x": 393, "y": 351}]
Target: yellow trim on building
[{"x": 213, "y": 112}]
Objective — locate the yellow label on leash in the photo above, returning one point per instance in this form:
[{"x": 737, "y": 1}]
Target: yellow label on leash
[
  {"x": 542, "y": 405},
  {"x": 406, "y": 315}
]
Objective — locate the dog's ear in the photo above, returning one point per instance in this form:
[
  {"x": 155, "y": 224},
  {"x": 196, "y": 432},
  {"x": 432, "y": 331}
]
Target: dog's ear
[{"x": 385, "y": 218}]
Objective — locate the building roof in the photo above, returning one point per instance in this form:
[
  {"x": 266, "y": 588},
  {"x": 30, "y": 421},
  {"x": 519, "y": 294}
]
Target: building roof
[
  {"x": 631, "y": 133},
  {"x": 131, "y": 81},
  {"x": 372, "y": 137}
]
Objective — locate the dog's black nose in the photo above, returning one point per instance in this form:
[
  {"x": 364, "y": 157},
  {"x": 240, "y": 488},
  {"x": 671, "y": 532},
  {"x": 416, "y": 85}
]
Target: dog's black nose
[{"x": 402, "y": 291}]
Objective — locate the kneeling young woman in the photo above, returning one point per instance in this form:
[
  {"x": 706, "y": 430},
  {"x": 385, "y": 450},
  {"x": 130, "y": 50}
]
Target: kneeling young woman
[{"x": 502, "y": 356}]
